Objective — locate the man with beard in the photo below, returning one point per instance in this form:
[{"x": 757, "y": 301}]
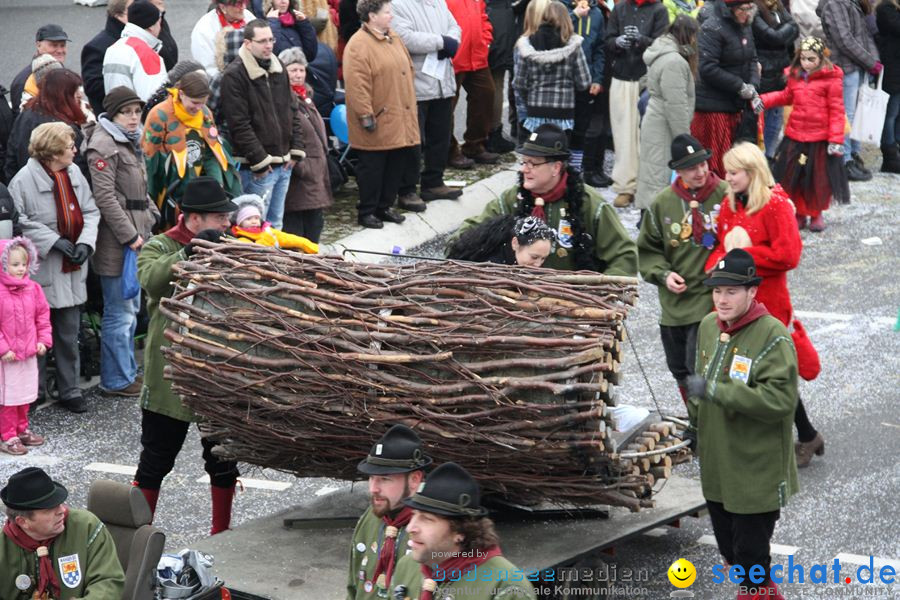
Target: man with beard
[
  {"x": 588, "y": 231},
  {"x": 395, "y": 466}
]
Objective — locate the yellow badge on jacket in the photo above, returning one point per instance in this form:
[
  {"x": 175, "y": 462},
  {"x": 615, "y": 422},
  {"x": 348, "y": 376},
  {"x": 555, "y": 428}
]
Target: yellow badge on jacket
[{"x": 740, "y": 368}]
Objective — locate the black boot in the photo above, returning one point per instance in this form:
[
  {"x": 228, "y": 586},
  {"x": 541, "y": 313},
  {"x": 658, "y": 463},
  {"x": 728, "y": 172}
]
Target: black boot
[
  {"x": 498, "y": 144},
  {"x": 592, "y": 164},
  {"x": 891, "y": 162}
]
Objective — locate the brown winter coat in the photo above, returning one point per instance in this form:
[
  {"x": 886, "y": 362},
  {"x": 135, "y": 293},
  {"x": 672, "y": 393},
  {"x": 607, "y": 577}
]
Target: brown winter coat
[
  {"x": 378, "y": 77},
  {"x": 310, "y": 186},
  {"x": 120, "y": 192}
]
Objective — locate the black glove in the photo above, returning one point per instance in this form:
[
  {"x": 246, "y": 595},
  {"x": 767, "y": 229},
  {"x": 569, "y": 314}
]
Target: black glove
[
  {"x": 696, "y": 386},
  {"x": 449, "y": 49},
  {"x": 210, "y": 235},
  {"x": 367, "y": 122},
  {"x": 690, "y": 435},
  {"x": 81, "y": 254},
  {"x": 64, "y": 246}
]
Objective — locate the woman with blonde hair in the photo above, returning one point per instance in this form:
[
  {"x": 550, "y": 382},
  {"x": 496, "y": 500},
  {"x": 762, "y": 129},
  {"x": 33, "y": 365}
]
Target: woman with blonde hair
[
  {"x": 549, "y": 66},
  {"x": 759, "y": 217}
]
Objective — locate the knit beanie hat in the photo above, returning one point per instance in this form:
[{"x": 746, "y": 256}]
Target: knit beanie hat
[
  {"x": 143, "y": 14},
  {"x": 250, "y": 205},
  {"x": 182, "y": 68},
  {"x": 43, "y": 64}
]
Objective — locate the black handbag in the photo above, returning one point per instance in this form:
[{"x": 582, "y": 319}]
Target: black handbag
[{"x": 337, "y": 174}]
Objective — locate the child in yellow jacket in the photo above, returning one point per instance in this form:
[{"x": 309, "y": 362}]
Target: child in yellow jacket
[{"x": 249, "y": 226}]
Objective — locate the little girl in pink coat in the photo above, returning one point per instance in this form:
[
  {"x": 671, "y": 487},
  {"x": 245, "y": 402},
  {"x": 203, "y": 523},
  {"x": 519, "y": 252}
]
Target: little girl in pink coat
[{"x": 24, "y": 335}]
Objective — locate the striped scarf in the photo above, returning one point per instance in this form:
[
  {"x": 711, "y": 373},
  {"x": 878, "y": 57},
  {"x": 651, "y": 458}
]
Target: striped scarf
[{"x": 69, "y": 220}]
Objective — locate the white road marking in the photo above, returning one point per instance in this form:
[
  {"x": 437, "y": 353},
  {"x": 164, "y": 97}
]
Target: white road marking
[
  {"x": 111, "y": 468},
  {"x": 829, "y": 328},
  {"x": 858, "y": 559},
  {"x": 830, "y": 316},
  {"x": 780, "y": 549},
  {"x": 326, "y": 490},
  {"x": 262, "y": 484},
  {"x": 890, "y": 425},
  {"x": 657, "y": 532},
  {"x": 30, "y": 460}
]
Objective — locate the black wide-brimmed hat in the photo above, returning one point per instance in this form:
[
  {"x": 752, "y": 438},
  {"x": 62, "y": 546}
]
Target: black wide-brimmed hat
[
  {"x": 32, "y": 489},
  {"x": 205, "y": 195},
  {"x": 449, "y": 491},
  {"x": 398, "y": 451},
  {"x": 736, "y": 268},
  {"x": 687, "y": 151},
  {"x": 547, "y": 141}
]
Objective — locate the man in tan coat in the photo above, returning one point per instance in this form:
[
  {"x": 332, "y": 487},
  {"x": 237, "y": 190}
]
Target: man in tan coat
[{"x": 381, "y": 113}]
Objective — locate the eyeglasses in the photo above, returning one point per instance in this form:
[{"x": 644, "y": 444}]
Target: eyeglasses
[
  {"x": 270, "y": 40},
  {"x": 71, "y": 147},
  {"x": 130, "y": 112},
  {"x": 530, "y": 164}
]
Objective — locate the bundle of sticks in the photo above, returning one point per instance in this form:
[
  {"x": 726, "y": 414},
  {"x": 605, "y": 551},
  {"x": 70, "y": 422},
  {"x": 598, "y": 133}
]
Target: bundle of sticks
[{"x": 300, "y": 362}]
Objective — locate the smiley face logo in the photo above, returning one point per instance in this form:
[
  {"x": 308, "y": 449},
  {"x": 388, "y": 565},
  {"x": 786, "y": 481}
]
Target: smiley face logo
[{"x": 682, "y": 573}]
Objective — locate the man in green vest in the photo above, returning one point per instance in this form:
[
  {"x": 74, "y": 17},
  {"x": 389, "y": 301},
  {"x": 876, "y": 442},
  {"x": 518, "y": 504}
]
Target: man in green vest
[
  {"x": 49, "y": 550},
  {"x": 588, "y": 231},
  {"x": 741, "y": 402},
  {"x": 205, "y": 213},
  {"x": 455, "y": 549},
  {"x": 395, "y": 466},
  {"x": 678, "y": 232}
]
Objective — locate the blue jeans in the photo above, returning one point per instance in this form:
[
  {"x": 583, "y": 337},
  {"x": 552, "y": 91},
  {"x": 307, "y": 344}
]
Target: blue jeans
[
  {"x": 774, "y": 117},
  {"x": 852, "y": 82},
  {"x": 118, "y": 368},
  {"x": 891, "y": 133},
  {"x": 272, "y": 189}
]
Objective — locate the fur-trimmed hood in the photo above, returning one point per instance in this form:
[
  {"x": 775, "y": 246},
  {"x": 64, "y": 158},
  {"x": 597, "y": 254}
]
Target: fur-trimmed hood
[
  {"x": 253, "y": 68},
  {"x": 528, "y": 52},
  {"x": 24, "y": 242}
]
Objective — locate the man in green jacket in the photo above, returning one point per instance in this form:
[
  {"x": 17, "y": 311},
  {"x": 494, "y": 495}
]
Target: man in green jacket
[
  {"x": 742, "y": 401},
  {"x": 164, "y": 419},
  {"x": 677, "y": 233},
  {"x": 76, "y": 551},
  {"x": 395, "y": 466},
  {"x": 455, "y": 549},
  {"x": 589, "y": 233}
]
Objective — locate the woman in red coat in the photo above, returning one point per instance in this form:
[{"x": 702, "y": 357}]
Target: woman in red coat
[
  {"x": 759, "y": 217},
  {"x": 809, "y": 162}
]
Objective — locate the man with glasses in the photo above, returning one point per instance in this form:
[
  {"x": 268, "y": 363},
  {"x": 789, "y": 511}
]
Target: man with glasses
[
  {"x": 262, "y": 115},
  {"x": 226, "y": 15},
  {"x": 589, "y": 233}
]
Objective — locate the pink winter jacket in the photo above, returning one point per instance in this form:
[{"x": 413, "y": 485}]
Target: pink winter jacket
[{"x": 24, "y": 312}]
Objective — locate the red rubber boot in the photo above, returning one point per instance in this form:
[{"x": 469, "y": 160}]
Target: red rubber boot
[
  {"x": 222, "y": 499},
  {"x": 152, "y": 496}
]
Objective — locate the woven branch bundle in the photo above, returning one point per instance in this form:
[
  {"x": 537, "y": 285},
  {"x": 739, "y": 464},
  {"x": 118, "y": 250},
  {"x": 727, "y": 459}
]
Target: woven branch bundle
[{"x": 300, "y": 362}]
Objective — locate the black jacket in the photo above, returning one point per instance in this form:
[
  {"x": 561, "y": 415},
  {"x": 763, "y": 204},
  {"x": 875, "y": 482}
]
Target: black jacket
[
  {"x": 17, "y": 148},
  {"x": 651, "y": 19},
  {"x": 888, "y": 39},
  {"x": 503, "y": 20},
  {"x": 169, "y": 51},
  {"x": 727, "y": 61},
  {"x": 92, "y": 62},
  {"x": 261, "y": 113},
  {"x": 348, "y": 18},
  {"x": 774, "y": 33},
  {"x": 18, "y": 88},
  {"x": 9, "y": 216},
  {"x": 6, "y": 124}
]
